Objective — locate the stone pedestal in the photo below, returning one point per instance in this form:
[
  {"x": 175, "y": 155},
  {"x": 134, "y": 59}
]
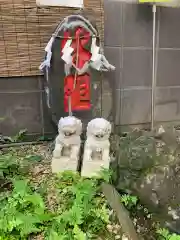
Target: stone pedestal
[
  {"x": 63, "y": 164},
  {"x": 93, "y": 167}
]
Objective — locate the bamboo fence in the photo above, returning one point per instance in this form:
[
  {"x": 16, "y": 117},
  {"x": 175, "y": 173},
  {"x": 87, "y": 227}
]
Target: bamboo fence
[{"x": 25, "y": 30}]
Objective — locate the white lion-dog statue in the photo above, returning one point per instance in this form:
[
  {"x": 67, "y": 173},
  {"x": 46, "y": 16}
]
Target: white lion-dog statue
[
  {"x": 96, "y": 149},
  {"x": 67, "y": 141}
]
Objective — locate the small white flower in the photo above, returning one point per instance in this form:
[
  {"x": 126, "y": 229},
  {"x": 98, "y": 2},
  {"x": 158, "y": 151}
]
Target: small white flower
[{"x": 125, "y": 238}]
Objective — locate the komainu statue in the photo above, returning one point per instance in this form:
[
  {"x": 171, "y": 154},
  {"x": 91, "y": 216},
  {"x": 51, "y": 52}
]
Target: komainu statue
[
  {"x": 97, "y": 145},
  {"x": 67, "y": 145}
]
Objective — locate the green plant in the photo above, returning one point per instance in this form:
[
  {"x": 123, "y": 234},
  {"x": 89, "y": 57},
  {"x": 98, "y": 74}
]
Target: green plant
[
  {"x": 22, "y": 212},
  {"x": 19, "y": 136},
  {"x": 11, "y": 165},
  {"x": 129, "y": 200},
  {"x": 8, "y": 165},
  {"x": 79, "y": 209},
  {"x": 13, "y": 139},
  {"x": 86, "y": 213},
  {"x": 163, "y": 234}
]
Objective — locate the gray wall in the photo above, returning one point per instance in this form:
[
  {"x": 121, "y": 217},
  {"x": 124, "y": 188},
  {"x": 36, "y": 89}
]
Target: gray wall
[
  {"x": 126, "y": 93},
  {"x": 128, "y": 44},
  {"x": 22, "y": 106}
]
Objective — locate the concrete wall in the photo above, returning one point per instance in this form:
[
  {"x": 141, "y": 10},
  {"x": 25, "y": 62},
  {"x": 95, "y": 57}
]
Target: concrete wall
[
  {"x": 128, "y": 44},
  {"x": 22, "y": 106},
  {"x": 126, "y": 93}
]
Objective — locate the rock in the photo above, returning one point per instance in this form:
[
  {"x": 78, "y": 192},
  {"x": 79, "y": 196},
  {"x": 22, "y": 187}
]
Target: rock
[
  {"x": 151, "y": 174},
  {"x": 125, "y": 222},
  {"x": 38, "y": 169},
  {"x": 117, "y": 237}
]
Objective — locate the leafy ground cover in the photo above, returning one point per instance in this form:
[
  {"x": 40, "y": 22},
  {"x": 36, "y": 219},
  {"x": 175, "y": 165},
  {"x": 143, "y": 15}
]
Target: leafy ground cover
[{"x": 38, "y": 205}]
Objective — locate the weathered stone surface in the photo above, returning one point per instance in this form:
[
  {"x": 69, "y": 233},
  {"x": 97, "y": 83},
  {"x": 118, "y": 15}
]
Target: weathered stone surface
[
  {"x": 151, "y": 170},
  {"x": 122, "y": 214},
  {"x": 63, "y": 164}
]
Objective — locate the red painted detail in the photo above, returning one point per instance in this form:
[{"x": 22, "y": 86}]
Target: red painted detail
[{"x": 80, "y": 95}]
